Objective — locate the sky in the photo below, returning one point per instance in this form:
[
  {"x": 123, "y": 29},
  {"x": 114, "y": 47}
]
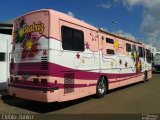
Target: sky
[{"x": 134, "y": 19}]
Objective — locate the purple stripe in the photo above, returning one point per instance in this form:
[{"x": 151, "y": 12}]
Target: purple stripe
[
  {"x": 58, "y": 71},
  {"x": 54, "y": 69},
  {"x": 60, "y": 86}
]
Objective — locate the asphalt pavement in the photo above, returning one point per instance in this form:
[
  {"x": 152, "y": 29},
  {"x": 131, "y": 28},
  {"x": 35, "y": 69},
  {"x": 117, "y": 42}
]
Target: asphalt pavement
[{"x": 139, "y": 98}]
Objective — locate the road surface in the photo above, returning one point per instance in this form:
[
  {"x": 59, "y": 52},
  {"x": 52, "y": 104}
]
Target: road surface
[{"x": 134, "y": 99}]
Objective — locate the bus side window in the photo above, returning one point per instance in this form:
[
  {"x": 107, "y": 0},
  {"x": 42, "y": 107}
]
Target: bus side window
[
  {"x": 78, "y": 39},
  {"x": 140, "y": 50},
  {"x": 128, "y": 47},
  {"x": 109, "y": 40},
  {"x": 72, "y": 39},
  {"x": 148, "y": 55},
  {"x": 110, "y": 51}
]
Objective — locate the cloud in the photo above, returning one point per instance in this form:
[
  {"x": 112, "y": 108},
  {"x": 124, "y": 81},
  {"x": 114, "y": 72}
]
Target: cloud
[
  {"x": 70, "y": 14},
  {"x": 105, "y": 5},
  {"x": 129, "y": 36},
  {"x": 104, "y": 29},
  {"x": 83, "y": 20},
  {"x": 150, "y": 25},
  {"x": 125, "y": 34},
  {"x": 145, "y": 3}
]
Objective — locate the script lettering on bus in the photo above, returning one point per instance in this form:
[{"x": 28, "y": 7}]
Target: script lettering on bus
[{"x": 35, "y": 27}]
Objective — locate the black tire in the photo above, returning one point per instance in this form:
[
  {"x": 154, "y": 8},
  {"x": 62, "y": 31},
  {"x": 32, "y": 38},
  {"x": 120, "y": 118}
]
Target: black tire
[
  {"x": 145, "y": 78},
  {"x": 101, "y": 87}
]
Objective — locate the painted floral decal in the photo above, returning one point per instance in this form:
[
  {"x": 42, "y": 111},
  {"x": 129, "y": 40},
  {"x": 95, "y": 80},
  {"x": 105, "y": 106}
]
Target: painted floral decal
[
  {"x": 94, "y": 37},
  {"x": 78, "y": 56},
  {"x": 25, "y": 37},
  {"x": 116, "y": 45},
  {"x": 112, "y": 63},
  {"x": 18, "y": 32},
  {"x": 30, "y": 46},
  {"x": 126, "y": 64},
  {"x": 87, "y": 46},
  {"x": 83, "y": 61},
  {"x": 120, "y": 62},
  {"x": 134, "y": 53},
  {"x": 138, "y": 66},
  {"x": 135, "y": 56}
]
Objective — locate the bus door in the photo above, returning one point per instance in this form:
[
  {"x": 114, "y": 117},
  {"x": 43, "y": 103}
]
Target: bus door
[{"x": 71, "y": 53}]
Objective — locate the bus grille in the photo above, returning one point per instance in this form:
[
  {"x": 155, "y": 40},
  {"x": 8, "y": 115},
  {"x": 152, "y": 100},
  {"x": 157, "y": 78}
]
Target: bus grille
[
  {"x": 68, "y": 83},
  {"x": 44, "y": 63}
]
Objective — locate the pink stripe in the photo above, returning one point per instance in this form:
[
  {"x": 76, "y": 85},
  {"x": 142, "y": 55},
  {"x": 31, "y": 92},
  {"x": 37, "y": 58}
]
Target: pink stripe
[
  {"x": 58, "y": 71},
  {"x": 61, "y": 86},
  {"x": 125, "y": 79}
]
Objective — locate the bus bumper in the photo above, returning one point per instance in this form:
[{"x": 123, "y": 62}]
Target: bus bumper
[{"x": 36, "y": 95}]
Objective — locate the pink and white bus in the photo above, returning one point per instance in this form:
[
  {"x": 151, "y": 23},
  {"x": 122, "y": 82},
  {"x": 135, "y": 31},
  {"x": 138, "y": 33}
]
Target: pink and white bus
[{"x": 58, "y": 58}]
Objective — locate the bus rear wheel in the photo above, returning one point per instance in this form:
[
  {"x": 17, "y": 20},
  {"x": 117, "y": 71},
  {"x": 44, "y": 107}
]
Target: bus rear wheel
[{"x": 101, "y": 87}]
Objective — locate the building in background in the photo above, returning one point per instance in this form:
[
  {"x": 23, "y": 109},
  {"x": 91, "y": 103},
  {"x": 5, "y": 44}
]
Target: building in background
[{"x": 5, "y": 50}]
